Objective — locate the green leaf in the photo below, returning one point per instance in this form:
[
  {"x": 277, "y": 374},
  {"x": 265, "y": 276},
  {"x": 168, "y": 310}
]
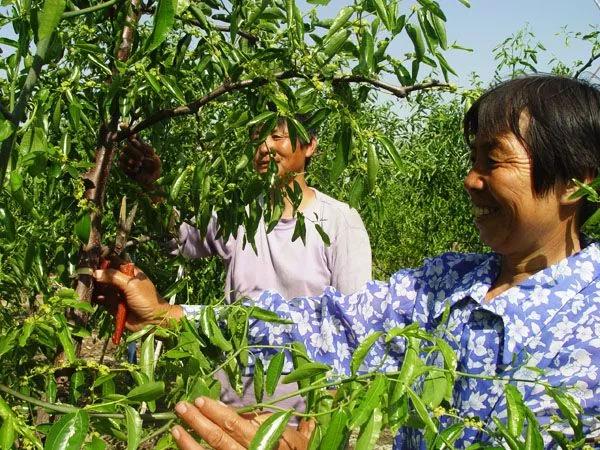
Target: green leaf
[
  {"x": 323, "y": 234},
  {"x": 370, "y": 402},
  {"x": 133, "y": 423},
  {"x": 512, "y": 443},
  {"x": 422, "y": 411},
  {"x": 95, "y": 444},
  {"x": 49, "y": 18},
  {"x": 569, "y": 408},
  {"x": 296, "y": 128},
  {"x": 82, "y": 228},
  {"x": 147, "y": 392},
  {"x": 533, "y": 438},
  {"x": 382, "y": 13},
  {"x": 362, "y": 350},
  {"x": 516, "y": 410},
  {"x": 270, "y": 431},
  {"x": 274, "y": 372},
  {"x": 175, "y": 191},
  {"x": 391, "y": 150},
  {"x": 152, "y": 80},
  {"x": 435, "y": 388},
  {"x": 7, "y": 341},
  {"x": 307, "y": 370},
  {"x": 340, "y": 20},
  {"x": 343, "y": 139},
  {"x": 333, "y": 44},
  {"x": 147, "y": 357},
  {"x": 212, "y": 330},
  {"x": 6, "y": 129},
  {"x": 262, "y": 118},
  {"x": 8, "y": 224},
  {"x": 68, "y": 433},
  {"x": 369, "y": 432},
  {"x": 175, "y": 288},
  {"x": 336, "y": 432},
  {"x": 416, "y": 36},
  {"x": 440, "y": 31},
  {"x": 356, "y": 192},
  {"x": 7, "y": 433},
  {"x": 163, "y": 23},
  {"x": 452, "y": 433},
  {"x": 76, "y": 386},
  {"x": 267, "y": 316},
  {"x": 65, "y": 338},
  {"x": 367, "y": 48},
  {"x": 259, "y": 380},
  {"x": 372, "y": 166},
  {"x": 65, "y": 145}
]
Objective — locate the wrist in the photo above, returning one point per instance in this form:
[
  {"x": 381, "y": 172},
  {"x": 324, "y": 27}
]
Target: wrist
[{"x": 166, "y": 313}]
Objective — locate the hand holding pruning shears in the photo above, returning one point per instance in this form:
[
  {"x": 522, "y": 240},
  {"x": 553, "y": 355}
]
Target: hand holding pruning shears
[{"x": 113, "y": 298}]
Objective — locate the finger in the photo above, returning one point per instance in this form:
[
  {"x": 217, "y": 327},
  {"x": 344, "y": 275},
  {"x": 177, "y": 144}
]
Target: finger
[
  {"x": 112, "y": 277},
  {"x": 208, "y": 430},
  {"x": 184, "y": 440},
  {"x": 236, "y": 426},
  {"x": 306, "y": 427}
]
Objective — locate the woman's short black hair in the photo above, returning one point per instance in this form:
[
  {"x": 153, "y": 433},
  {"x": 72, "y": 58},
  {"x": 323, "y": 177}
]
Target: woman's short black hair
[{"x": 562, "y": 135}]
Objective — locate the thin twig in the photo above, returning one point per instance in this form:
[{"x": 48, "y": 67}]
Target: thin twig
[
  {"x": 587, "y": 64},
  {"x": 65, "y": 408},
  {"x": 228, "y": 87},
  {"x": 252, "y": 39},
  {"x": 79, "y": 12},
  {"x": 398, "y": 91}
]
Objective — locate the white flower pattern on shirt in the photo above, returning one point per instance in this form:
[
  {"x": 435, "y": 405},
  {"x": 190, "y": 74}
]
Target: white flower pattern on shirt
[{"x": 549, "y": 321}]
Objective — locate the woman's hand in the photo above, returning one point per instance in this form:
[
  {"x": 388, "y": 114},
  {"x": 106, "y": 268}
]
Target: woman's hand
[
  {"x": 224, "y": 429},
  {"x": 144, "y": 305}
]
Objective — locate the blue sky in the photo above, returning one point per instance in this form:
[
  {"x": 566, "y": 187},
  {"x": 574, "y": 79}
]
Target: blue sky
[{"x": 489, "y": 22}]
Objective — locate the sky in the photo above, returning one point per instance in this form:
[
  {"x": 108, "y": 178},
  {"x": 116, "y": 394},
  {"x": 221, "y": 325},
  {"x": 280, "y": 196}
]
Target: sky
[{"x": 488, "y": 22}]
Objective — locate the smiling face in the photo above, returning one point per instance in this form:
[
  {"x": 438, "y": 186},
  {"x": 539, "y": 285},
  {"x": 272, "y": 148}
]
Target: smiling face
[
  {"x": 278, "y": 145},
  {"x": 510, "y": 216}
]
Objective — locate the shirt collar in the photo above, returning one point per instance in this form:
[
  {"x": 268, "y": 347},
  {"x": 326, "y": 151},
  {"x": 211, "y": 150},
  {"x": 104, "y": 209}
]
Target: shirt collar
[{"x": 526, "y": 309}]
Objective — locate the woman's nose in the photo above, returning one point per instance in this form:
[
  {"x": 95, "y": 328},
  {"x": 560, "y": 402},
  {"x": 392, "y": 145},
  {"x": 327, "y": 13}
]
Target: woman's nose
[
  {"x": 473, "y": 180},
  {"x": 263, "y": 148}
]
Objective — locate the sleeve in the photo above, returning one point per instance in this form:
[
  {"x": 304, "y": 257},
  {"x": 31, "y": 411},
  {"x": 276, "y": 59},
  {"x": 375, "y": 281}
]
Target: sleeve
[
  {"x": 191, "y": 245},
  {"x": 332, "y": 325},
  {"x": 350, "y": 263}
]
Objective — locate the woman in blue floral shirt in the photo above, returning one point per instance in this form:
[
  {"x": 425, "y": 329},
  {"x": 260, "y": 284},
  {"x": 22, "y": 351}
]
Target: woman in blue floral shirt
[{"x": 529, "y": 310}]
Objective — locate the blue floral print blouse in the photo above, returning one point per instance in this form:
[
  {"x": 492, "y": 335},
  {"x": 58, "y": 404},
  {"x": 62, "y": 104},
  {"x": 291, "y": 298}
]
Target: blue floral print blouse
[{"x": 549, "y": 322}]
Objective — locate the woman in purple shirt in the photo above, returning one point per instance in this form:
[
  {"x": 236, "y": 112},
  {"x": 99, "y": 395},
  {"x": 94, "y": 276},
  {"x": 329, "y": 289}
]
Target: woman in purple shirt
[{"x": 526, "y": 311}]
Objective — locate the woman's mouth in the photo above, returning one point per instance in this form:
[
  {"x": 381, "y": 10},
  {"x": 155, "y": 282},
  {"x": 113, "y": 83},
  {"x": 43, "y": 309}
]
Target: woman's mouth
[{"x": 482, "y": 211}]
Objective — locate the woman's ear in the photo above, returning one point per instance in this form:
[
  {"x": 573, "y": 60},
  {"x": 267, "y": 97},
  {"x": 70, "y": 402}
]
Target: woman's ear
[
  {"x": 568, "y": 195},
  {"x": 311, "y": 147}
]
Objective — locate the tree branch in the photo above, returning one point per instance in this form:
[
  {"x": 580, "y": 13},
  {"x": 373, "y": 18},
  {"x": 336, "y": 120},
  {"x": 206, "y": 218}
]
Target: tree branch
[
  {"x": 19, "y": 110},
  {"x": 96, "y": 179},
  {"x": 586, "y": 65},
  {"x": 248, "y": 36},
  {"x": 398, "y": 91},
  {"x": 227, "y": 87},
  {"x": 8, "y": 115}
]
